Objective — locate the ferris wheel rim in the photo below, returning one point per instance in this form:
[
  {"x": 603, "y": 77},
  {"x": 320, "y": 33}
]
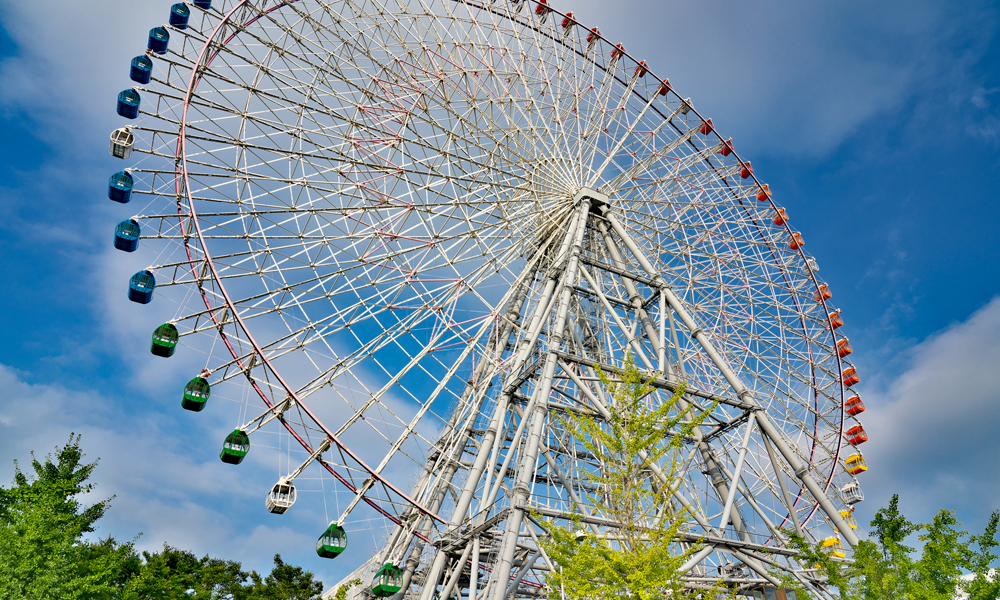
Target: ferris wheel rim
[
  {"x": 195, "y": 77},
  {"x": 258, "y": 351}
]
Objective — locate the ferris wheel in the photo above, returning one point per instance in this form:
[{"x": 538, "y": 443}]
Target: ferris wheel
[{"x": 406, "y": 235}]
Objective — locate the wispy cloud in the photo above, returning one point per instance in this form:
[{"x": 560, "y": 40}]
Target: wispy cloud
[
  {"x": 800, "y": 78},
  {"x": 72, "y": 59}
]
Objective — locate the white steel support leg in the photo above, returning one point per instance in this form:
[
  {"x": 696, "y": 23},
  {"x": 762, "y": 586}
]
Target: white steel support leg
[
  {"x": 784, "y": 492},
  {"x": 659, "y": 342},
  {"x": 663, "y": 336},
  {"x": 509, "y": 592},
  {"x": 474, "y": 569},
  {"x": 457, "y": 571},
  {"x": 559, "y": 475},
  {"x": 741, "y": 390},
  {"x": 634, "y": 297},
  {"x": 736, "y": 475},
  {"x": 502, "y": 340},
  {"x": 697, "y": 558},
  {"x": 538, "y": 410}
]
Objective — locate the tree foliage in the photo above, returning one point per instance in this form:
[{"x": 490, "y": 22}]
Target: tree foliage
[
  {"x": 44, "y": 554},
  {"x": 287, "y": 582},
  {"x": 639, "y": 558},
  {"x": 984, "y": 585},
  {"x": 884, "y": 567},
  {"x": 41, "y": 527}
]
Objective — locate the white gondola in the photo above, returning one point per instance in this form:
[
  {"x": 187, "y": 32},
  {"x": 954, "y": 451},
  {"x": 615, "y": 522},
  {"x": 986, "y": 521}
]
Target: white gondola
[
  {"x": 121, "y": 143},
  {"x": 732, "y": 570},
  {"x": 281, "y": 497},
  {"x": 852, "y": 493}
]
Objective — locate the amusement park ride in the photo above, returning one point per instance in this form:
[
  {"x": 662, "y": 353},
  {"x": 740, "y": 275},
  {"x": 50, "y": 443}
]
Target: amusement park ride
[{"x": 407, "y": 234}]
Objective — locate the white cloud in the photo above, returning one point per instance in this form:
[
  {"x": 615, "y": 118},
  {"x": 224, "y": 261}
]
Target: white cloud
[
  {"x": 799, "y": 78},
  {"x": 932, "y": 429},
  {"x": 162, "y": 467},
  {"x": 73, "y": 59},
  {"x": 783, "y": 77},
  {"x": 980, "y": 97}
]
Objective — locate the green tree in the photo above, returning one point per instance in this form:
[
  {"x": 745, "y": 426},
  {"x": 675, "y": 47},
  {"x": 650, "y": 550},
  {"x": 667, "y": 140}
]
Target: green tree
[
  {"x": 884, "y": 567},
  {"x": 44, "y": 556},
  {"x": 287, "y": 582},
  {"x": 174, "y": 574},
  {"x": 985, "y": 585},
  {"x": 179, "y": 575},
  {"x": 639, "y": 559},
  {"x": 42, "y": 552},
  {"x": 938, "y": 571}
]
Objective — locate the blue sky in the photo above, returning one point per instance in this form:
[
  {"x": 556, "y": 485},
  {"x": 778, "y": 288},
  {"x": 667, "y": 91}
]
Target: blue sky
[{"x": 876, "y": 124}]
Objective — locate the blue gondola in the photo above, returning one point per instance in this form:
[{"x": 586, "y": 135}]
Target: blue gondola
[
  {"x": 128, "y": 104},
  {"x": 158, "y": 40},
  {"x": 140, "y": 287},
  {"x": 179, "y": 15},
  {"x": 203, "y": 4},
  {"x": 120, "y": 187},
  {"x": 141, "y": 70},
  {"x": 127, "y": 235}
]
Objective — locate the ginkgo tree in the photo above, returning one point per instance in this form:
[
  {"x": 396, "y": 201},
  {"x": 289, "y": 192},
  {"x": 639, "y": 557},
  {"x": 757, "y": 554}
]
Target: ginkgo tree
[{"x": 637, "y": 445}]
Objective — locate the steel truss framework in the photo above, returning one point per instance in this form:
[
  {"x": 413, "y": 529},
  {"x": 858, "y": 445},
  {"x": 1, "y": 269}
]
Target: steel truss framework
[{"x": 415, "y": 230}]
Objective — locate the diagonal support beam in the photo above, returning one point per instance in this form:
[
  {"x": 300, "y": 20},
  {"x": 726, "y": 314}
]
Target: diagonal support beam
[
  {"x": 742, "y": 391},
  {"x": 538, "y": 410}
]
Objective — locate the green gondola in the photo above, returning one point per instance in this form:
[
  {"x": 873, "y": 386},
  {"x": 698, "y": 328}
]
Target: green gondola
[
  {"x": 164, "y": 340},
  {"x": 235, "y": 447},
  {"x": 387, "y": 581},
  {"x": 196, "y": 394},
  {"x": 332, "y": 542}
]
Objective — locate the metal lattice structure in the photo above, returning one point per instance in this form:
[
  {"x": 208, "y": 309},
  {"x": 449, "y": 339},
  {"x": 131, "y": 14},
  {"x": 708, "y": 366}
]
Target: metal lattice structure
[{"x": 413, "y": 230}]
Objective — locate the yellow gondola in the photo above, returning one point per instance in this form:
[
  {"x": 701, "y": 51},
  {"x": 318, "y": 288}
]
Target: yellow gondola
[
  {"x": 832, "y": 547},
  {"x": 856, "y": 464}
]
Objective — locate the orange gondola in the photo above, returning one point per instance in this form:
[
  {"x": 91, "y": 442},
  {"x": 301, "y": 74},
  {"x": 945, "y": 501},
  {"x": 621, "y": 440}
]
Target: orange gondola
[
  {"x": 850, "y": 377},
  {"x": 765, "y": 193},
  {"x": 856, "y": 435},
  {"x": 854, "y": 406},
  {"x": 780, "y": 217}
]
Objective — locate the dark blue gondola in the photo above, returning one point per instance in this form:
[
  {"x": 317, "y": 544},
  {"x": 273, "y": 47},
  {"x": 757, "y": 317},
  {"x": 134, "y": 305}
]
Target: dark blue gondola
[
  {"x": 140, "y": 287},
  {"x": 128, "y": 104},
  {"x": 141, "y": 70},
  {"x": 203, "y": 4},
  {"x": 127, "y": 235},
  {"x": 158, "y": 40},
  {"x": 120, "y": 187},
  {"x": 179, "y": 15}
]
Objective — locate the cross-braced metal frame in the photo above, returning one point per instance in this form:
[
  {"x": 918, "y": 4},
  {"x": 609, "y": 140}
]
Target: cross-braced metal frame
[{"x": 417, "y": 229}]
